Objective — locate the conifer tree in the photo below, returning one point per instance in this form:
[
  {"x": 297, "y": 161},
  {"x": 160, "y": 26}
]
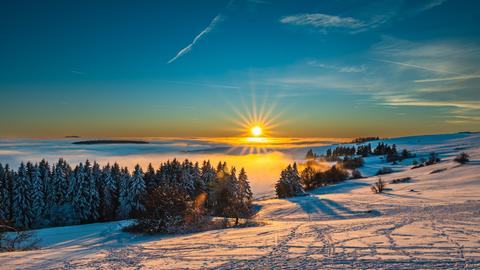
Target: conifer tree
[
  {"x": 136, "y": 191},
  {"x": 22, "y": 204},
  {"x": 4, "y": 195},
  {"x": 38, "y": 198},
  {"x": 124, "y": 209},
  {"x": 80, "y": 193},
  {"x": 109, "y": 191},
  {"x": 94, "y": 180}
]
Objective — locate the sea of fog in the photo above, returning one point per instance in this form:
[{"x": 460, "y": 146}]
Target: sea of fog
[{"x": 262, "y": 161}]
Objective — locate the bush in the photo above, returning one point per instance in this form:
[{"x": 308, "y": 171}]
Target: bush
[
  {"x": 384, "y": 170},
  {"x": 432, "y": 159},
  {"x": 379, "y": 186},
  {"x": 352, "y": 163},
  {"x": 166, "y": 210},
  {"x": 401, "y": 180},
  {"x": 462, "y": 158},
  {"x": 356, "y": 174},
  {"x": 12, "y": 239}
]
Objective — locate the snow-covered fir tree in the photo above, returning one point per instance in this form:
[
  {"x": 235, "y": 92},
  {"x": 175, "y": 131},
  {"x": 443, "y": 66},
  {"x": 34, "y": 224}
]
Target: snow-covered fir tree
[
  {"x": 22, "y": 199},
  {"x": 94, "y": 179},
  {"x": 108, "y": 197},
  {"x": 200, "y": 186},
  {"x": 245, "y": 192},
  {"x": 150, "y": 178},
  {"x": 124, "y": 209},
  {"x": 60, "y": 183},
  {"x": 38, "y": 198},
  {"x": 80, "y": 193},
  {"x": 136, "y": 191},
  {"x": 186, "y": 179},
  {"x": 4, "y": 194}
]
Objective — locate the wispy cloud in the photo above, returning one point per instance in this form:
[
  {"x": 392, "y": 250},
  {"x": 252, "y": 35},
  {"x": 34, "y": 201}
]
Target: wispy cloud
[
  {"x": 455, "y": 78},
  {"x": 363, "y": 17},
  {"x": 322, "y": 21},
  {"x": 430, "y": 4},
  {"x": 345, "y": 69},
  {"x": 420, "y": 67},
  {"x": 205, "y": 31},
  {"x": 210, "y": 85},
  {"x": 77, "y": 72},
  {"x": 402, "y": 101}
]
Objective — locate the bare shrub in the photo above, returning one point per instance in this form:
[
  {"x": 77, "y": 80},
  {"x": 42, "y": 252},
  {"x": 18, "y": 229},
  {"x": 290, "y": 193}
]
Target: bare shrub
[
  {"x": 379, "y": 186},
  {"x": 462, "y": 158},
  {"x": 12, "y": 239}
]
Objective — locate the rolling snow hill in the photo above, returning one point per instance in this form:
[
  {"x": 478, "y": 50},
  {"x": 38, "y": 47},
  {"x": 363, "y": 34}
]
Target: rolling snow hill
[{"x": 430, "y": 222}]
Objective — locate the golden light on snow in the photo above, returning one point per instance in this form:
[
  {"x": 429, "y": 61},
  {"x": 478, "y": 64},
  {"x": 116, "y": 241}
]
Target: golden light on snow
[{"x": 256, "y": 131}]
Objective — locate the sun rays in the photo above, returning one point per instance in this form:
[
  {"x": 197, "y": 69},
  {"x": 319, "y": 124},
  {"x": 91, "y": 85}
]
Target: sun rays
[{"x": 256, "y": 125}]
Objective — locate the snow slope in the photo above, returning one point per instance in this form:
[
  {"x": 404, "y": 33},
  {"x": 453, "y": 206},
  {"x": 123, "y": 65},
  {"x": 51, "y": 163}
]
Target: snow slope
[{"x": 432, "y": 222}]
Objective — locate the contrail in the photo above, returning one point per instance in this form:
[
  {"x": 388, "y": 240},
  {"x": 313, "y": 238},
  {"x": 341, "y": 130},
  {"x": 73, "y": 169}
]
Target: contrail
[{"x": 209, "y": 28}]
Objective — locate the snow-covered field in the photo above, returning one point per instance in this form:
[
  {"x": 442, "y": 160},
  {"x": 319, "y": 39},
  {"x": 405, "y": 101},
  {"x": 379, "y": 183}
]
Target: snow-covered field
[{"x": 431, "y": 222}]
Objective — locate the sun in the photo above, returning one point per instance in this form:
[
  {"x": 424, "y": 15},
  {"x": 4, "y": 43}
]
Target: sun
[{"x": 256, "y": 131}]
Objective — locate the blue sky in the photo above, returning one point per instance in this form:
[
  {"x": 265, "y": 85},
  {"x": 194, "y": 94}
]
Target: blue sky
[{"x": 189, "y": 68}]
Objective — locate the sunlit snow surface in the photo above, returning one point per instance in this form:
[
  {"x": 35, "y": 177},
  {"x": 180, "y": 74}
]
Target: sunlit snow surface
[{"x": 431, "y": 222}]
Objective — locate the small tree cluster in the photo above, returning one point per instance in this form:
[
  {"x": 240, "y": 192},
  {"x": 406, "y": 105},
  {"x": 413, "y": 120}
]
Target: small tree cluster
[
  {"x": 341, "y": 151},
  {"x": 311, "y": 178},
  {"x": 351, "y": 162},
  {"x": 365, "y": 139},
  {"x": 366, "y": 150},
  {"x": 289, "y": 183},
  {"x": 432, "y": 159}
]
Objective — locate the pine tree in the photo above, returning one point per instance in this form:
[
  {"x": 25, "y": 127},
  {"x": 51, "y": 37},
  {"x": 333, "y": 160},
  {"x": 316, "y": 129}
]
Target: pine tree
[
  {"x": 22, "y": 204},
  {"x": 94, "y": 178},
  {"x": 80, "y": 193},
  {"x": 231, "y": 198},
  {"x": 307, "y": 177},
  {"x": 38, "y": 198},
  {"x": 289, "y": 183},
  {"x": 186, "y": 180},
  {"x": 295, "y": 181},
  {"x": 4, "y": 195},
  {"x": 8, "y": 192},
  {"x": 123, "y": 210},
  {"x": 200, "y": 186},
  {"x": 109, "y": 191},
  {"x": 137, "y": 190},
  {"x": 245, "y": 194},
  {"x": 46, "y": 179},
  {"x": 209, "y": 177},
  {"x": 150, "y": 178},
  {"x": 60, "y": 183}
]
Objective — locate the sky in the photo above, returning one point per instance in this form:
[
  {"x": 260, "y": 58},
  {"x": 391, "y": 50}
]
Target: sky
[{"x": 200, "y": 68}]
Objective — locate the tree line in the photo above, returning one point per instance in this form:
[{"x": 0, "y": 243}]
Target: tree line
[
  {"x": 43, "y": 195},
  {"x": 390, "y": 151}
]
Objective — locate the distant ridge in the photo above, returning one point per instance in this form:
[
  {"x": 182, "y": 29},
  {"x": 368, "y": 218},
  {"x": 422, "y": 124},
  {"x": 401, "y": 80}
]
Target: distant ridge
[{"x": 111, "y": 142}]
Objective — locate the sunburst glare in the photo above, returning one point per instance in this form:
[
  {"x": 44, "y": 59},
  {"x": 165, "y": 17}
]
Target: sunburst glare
[{"x": 256, "y": 125}]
